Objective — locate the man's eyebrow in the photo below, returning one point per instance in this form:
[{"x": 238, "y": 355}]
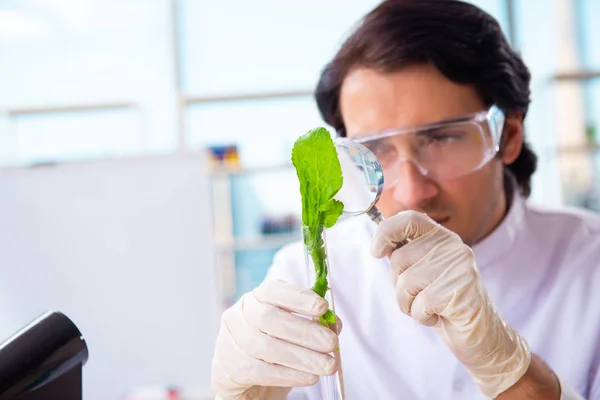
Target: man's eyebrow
[
  {"x": 429, "y": 130},
  {"x": 462, "y": 118},
  {"x": 425, "y": 129}
]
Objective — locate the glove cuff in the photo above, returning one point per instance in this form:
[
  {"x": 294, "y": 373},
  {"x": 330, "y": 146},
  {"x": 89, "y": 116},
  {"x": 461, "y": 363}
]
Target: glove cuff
[
  {"x": 498, "y": 378},
  {"x": 494, "y": 354}
]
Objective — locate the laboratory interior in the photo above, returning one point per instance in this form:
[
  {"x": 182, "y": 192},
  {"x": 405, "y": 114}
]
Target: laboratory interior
[{"x": 146, "y": 175}]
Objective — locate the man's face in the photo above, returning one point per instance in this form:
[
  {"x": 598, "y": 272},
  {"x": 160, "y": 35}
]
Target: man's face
[{"x": 470, "y": 205}]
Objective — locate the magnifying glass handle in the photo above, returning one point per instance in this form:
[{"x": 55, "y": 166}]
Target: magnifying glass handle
[{"x": 376, "y": 217}]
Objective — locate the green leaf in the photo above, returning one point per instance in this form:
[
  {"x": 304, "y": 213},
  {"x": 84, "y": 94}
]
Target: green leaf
[
  {"x": 327, "y": 319},
  {"x": 331, "y": 212},
  {"x": 319, "y": 171},
  {"x": 320, "y": 174}
]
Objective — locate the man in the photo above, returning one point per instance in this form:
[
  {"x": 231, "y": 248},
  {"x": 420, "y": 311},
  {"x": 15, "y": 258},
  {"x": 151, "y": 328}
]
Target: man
[{"x": 491, "y": 297}]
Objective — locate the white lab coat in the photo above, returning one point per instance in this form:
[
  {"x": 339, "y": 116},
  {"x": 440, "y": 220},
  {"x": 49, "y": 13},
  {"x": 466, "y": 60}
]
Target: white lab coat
[{"x": 541, "y": 268}]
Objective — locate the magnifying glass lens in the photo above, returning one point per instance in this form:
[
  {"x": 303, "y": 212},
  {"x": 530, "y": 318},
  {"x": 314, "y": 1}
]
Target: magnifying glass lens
[{"x": 363, "y": 177}]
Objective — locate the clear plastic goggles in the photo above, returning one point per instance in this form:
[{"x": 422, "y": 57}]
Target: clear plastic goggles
[{"x": 440, "y": 151}]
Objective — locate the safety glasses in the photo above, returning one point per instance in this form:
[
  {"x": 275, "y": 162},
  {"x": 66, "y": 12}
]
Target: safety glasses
[{"x": 441, "y": 151}]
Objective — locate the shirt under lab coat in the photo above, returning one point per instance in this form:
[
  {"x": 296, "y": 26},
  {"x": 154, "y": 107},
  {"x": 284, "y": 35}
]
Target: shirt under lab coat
[{"x": 541, "y": 267}]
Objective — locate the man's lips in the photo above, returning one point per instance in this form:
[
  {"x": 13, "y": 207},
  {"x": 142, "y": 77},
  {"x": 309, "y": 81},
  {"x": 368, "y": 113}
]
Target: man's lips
[{"x": 440, "y": 220}]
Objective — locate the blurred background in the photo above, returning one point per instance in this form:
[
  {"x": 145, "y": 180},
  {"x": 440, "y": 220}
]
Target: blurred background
[{"x": 231, "y": 81}]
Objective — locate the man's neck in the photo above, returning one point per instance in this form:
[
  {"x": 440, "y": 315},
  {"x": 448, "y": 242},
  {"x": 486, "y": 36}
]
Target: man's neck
[{"x": 503, "y": 206}]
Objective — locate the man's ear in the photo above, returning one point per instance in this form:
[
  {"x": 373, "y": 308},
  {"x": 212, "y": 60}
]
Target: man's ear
[{"x": 512, "y": 138}]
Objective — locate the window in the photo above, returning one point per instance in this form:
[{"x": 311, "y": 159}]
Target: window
[
  {"x": 264, "y": 130},
  {"x": 75, "y": 136},
  {"x": 237, "y": 46},
  {"x": 101, "y": 55}
]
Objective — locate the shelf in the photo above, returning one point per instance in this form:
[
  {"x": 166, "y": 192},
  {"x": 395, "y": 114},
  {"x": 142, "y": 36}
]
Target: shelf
[
  {"x": 583, "y": 148},
  {"x": 232, "y": 171},
  {"x": 262, "y": 242},
  {"x": 576, "y": 76},
  {"x": 247, "y": 96},
  {"x": 55, "y": 109}
]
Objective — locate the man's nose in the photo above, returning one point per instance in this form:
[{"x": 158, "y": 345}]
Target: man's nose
[{"x": 413, "y": 188}]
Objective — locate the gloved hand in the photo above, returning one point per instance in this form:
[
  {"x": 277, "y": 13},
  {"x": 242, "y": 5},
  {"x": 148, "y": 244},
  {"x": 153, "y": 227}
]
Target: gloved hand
[
  {"x": 438, "y": 284},
  {"x": 263, "y": 350}
]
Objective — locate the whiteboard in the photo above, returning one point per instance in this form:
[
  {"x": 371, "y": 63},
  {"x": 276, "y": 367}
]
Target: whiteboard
[{"x": 125, "y": 249}]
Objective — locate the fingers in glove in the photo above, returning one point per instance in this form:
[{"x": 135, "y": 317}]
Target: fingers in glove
[
  {"x": 234, "y": 371},
  {"x": 444, "y": 298},
  {"x": 404, "y": 225},
  {"x": 426, "y": 307},
  {"x": 290, "y": 297},
  {"x": 409, "y": 254},
  {"x": 411, "y": 282},
  {"x": 416, "y": 265},
  {"x": 288, "y": 327},
  {"x": 430, "y": 286},
  {"x": 260, "y": 346},
  {"x": 421, "y": 301},
  {"x": 260, "y": 373}
]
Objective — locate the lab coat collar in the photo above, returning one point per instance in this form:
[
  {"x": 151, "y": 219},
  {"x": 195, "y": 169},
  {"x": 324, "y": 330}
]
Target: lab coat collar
[{"x": 500, "y": 240}]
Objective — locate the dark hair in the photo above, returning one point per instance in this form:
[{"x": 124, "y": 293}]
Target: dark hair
[{"x": 462, "y": 41}]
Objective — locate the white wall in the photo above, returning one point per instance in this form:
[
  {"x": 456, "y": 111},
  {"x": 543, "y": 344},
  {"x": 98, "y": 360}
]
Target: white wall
[{"x": 123, "y": 248}]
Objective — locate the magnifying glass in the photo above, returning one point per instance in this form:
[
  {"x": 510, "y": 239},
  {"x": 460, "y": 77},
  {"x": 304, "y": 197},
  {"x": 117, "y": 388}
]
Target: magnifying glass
[{"x": 363, "y": 179}]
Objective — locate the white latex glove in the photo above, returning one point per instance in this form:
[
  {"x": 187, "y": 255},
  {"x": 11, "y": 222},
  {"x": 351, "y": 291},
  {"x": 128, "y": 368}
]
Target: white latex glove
[
  {"x": 263, "y": 350},
  {"x": 438, "y": 284}
]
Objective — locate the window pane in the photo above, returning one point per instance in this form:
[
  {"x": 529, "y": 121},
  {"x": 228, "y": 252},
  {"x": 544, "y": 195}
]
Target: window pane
[
  {"x": 264, "y": 130},
  {"x": 589, "y": 35},
  {"x": 263, "y": 45},
  {"x": 589, "y": 32},
  {"x": 91, "y": 50},
  {"x": 62, "y": 52},
  {"x": 74, "y": 136},
  {"x": 537, "y": 38}
]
